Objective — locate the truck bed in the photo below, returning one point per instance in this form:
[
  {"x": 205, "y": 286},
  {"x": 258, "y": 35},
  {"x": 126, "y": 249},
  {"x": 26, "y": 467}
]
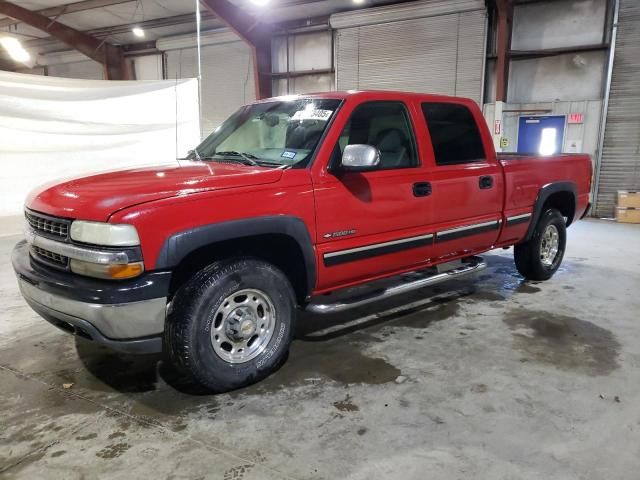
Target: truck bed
[{"x": 525, "y": 174}]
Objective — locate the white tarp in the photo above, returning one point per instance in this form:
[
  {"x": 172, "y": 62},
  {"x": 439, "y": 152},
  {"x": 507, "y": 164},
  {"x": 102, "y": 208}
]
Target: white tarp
[{"x": 53, "y": 128}]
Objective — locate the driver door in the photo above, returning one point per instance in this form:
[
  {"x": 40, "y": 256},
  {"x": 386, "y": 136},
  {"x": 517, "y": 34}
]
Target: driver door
[{"x": 372, "y": 223}]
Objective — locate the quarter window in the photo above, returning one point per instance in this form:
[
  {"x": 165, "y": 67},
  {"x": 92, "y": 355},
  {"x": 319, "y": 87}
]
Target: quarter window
[
  {"x": 454, "y": 133},
  {"x": 384, "y": 125}
]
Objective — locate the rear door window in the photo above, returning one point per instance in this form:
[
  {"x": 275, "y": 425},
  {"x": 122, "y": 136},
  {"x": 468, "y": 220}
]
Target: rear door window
[{"x": 454, "y": 133}]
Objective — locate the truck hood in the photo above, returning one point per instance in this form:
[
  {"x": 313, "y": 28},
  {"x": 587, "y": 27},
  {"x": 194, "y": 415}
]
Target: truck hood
[{"x": 96, "y": 197}]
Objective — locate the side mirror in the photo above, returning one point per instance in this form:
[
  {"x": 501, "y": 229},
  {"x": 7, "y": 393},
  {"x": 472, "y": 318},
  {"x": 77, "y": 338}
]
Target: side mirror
[{"x": 360, "y": 158}]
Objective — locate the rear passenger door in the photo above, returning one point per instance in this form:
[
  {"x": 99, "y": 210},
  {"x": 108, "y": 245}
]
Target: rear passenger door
[{"x": 467, "y": 181}]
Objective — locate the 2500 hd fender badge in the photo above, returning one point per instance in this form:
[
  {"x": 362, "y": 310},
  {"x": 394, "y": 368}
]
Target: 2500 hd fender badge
[{"x": 341, "y": 233}]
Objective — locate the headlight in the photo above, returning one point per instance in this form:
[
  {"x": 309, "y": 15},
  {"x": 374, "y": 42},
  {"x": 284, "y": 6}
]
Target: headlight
[
  {"x": 107, "y": 234},
  {"x": 108, "y": 271}
]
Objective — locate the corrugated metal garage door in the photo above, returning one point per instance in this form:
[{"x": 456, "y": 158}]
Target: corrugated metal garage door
[
  {"x": 440, "y": 51},
  {"x": 620, "y": 168},
  {"x": 87, "y": 69},
  {"x": 227, "y": 78}
]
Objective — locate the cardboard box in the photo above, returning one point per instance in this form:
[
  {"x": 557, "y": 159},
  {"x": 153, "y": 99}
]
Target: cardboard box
[
  {"x": 628, "y": 215},
  {"x": 628, "y": 199}
]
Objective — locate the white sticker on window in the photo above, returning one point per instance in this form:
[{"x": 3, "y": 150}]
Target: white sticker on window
[{"x": 312, "y": 114}]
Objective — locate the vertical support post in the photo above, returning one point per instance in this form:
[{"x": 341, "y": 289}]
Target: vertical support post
[
  {"x": 262, "y": 67},
  {"x": 254, "y": 33},
  {"x": 504, "y": 11}
]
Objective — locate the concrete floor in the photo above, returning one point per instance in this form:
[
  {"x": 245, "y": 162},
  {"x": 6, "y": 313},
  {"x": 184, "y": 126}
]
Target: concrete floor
[{"x": 485, "y": 378}]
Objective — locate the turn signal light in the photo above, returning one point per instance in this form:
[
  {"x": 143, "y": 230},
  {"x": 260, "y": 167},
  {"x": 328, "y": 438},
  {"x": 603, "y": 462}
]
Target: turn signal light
[
  {"x": 110, "y": 271},
  {"x": 129, "y": 270}
]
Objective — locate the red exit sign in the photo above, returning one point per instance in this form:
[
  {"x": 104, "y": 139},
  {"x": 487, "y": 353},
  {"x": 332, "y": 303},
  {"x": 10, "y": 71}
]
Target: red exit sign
[{"x": 576, "y": 118}]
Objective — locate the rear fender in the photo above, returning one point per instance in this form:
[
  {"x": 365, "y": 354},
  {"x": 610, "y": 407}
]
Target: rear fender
[{"x": 543, "y": 195}]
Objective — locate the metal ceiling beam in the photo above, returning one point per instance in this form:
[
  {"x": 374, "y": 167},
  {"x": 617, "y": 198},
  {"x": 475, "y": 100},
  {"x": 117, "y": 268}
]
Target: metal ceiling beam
[
  {"x": 104, "y": 32},
  {"x": 504, "y": 11},
  {"x": 110, "y": 56},
  {"x": 67, "y": 9},
  {"x": 256, "y": 34}
]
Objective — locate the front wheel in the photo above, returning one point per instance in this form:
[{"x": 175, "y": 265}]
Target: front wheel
[
  {"x": 540, "y": 256},
  {"x": 231, "y": 324}
]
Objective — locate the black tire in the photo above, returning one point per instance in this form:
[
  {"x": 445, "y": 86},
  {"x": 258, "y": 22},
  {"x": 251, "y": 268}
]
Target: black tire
[
  {"x": 528, "y": 254},
  {"x": 195, "y": 312}
]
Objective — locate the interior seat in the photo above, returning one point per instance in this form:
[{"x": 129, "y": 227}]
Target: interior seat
[{"x": 393, "y": 146}]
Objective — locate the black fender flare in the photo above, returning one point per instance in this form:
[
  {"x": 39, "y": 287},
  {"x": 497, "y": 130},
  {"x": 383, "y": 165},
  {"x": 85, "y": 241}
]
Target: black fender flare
[
  {"x": 543, "y": 194},
  {"x": 176, "y": 247}
]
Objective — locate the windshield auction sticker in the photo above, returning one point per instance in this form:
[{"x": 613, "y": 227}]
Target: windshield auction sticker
[{"x": 315, "y": 114}]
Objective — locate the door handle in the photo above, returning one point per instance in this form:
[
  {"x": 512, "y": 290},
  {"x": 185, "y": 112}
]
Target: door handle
[
  {"x": 421, "y": 189},
  {"x": 485, "y": 182}
]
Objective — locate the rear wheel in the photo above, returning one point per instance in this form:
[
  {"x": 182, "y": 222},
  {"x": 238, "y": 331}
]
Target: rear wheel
[
  {"x": 540, "y": 257},
  {"x": 231, "y": 324}
]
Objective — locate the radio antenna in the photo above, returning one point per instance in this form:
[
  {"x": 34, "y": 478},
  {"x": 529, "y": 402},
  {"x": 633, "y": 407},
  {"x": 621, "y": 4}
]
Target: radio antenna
[
  {"x": 175, "y": 94},
  {"x": 198, "y": 43}
]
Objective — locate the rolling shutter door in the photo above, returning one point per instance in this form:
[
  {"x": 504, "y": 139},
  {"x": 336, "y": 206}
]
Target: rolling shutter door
[
  {"x": 227, "y": 78},
  {"x": 620, "y": 166},
  {"x": 87, "y": 70},
  {"x": 442, "y": 51}
]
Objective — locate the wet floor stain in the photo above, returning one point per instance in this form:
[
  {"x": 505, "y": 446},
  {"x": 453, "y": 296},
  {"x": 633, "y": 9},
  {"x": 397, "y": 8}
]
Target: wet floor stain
[
  {"x": 346, "y": 405},
  {"x": 566, "y": 342},
  {"x": 527, "y": 288},
  {"x": 422, "y": 319},
  {"x": 337, "y": 360},
  {"x": 479, "y": 388},
  {"x": 486, "y": 296},
  {"x": 238, "y": 472},
  {"x": 113, "y": 451},
  {"x": 521, "y": 286}
]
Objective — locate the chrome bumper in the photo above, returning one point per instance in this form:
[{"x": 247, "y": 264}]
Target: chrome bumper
[{"x": 114, "y": 325}]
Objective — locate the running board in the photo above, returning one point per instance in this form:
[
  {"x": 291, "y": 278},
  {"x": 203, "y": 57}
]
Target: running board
[{"x": 407, "y": 283}]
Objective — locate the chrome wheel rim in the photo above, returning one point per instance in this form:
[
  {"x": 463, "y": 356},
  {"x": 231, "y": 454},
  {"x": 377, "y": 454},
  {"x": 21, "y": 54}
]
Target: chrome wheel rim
[
  {"x": 550, "y": 245},
  {"x": 243, "y": 325}
]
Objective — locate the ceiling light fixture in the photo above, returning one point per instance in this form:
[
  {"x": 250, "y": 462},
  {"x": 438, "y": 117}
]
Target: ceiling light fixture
[
  {"x": 359, "y": 2},
  {"x": 15, "y": 49},
  {"x": 260, "y": 3},
  {"x": 138, "y": 32}
]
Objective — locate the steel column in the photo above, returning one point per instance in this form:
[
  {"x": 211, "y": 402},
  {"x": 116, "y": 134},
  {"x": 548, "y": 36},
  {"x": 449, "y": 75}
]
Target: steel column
[
  {"x": 254, "y": 33},
  {"x": 504, "y": 12}
]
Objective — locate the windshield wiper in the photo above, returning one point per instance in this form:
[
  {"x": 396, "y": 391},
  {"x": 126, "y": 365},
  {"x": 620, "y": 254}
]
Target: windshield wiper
[
  {"x": 247, "y": 158},
  {"x": 195, "y": 154}
]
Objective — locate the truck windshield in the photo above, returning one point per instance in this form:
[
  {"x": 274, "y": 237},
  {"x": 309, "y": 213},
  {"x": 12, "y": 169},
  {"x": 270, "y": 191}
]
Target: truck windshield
[{"x": 278, "y": 133}]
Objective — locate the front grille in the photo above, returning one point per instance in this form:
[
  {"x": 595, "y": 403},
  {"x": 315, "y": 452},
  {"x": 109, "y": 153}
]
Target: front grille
[
  {"x": 49, "y": 226},
  {"x": 51, "y": 258}
]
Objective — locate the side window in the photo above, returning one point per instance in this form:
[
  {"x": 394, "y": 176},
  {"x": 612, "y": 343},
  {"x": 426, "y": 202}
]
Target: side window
[
  {"x": 386, "y": 126},
  {"x": 454, "y": 133}
]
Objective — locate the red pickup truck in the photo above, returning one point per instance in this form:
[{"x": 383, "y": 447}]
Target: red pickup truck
[{"x": 290, "y": 199}]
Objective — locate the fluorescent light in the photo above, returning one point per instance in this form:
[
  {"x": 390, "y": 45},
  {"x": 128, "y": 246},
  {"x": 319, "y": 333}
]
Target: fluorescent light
[
  {"x": 262, "y": 3},
  {"x": 15, "y": 49},
  {"x": 358, "y": 2},
  {"x": 138, "y": 32}
]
